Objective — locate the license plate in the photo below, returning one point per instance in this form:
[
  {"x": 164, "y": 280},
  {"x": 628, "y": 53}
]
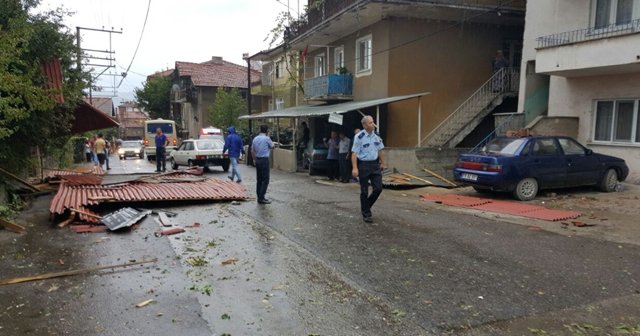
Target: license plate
[
  {"x": 470, "y": 177},
  {"x": 214, "y": 156}
]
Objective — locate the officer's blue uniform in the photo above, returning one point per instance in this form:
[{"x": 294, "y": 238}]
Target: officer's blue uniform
[
  {"x": 366, "y": 147},
  {"x": 262, "y": 145}
]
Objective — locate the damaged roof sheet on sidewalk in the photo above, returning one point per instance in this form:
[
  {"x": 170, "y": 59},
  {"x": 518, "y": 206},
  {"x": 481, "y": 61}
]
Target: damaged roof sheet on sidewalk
[{"x": 179, "y": 186}]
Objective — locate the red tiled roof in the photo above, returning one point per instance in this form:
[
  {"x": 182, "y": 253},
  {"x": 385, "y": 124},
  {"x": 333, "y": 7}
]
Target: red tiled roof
[
  {"x": 82, "y": 196},
  {"x": 103, "y": 104},
  {"x": 88, "y": 118},
  {"x": 225, "y": 73}
]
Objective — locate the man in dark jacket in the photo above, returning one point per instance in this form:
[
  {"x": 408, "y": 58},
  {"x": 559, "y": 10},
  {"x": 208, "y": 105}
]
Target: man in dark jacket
[{"x": 234, "y": 145}]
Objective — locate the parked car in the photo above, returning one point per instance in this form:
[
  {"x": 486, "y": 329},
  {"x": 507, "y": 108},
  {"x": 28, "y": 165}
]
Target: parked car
[
  {"x": 201, "y": 152},
  {"x": 526, "y": 165},
  {"x": 316, "y": 161},
  {"x": 133, "y": 148}
]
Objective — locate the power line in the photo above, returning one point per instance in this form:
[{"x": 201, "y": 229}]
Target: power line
[{"x": 144, "y": 25}]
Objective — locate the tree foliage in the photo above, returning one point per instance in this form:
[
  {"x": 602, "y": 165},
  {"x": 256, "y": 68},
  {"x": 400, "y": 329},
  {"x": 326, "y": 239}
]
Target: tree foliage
[
  {"x": 155, "y": 97},
  {"x": 228, "y": 106},
  {"x": 28, "y": 114}
]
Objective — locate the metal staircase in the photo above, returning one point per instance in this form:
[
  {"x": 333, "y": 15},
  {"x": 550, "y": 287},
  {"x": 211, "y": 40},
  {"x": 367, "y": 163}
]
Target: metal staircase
[{"x": 504, "y": 83}]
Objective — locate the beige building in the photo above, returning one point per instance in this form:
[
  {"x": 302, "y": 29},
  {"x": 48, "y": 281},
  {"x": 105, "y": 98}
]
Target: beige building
[
  {"x": 582, "y": 67},
  {"x": 372, "y": 50},
  {"x": 131, "y": 119}
]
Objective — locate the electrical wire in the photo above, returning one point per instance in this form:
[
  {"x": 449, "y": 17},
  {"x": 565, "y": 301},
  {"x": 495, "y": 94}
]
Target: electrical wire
[{"x": 144, "y": 25}]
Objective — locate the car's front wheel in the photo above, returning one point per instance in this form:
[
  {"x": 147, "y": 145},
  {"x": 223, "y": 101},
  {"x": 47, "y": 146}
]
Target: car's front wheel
[
  {"x": 526, "y": 189},
  {"x": 609, "y": 180},
  {"x": 174, "y": 165}
]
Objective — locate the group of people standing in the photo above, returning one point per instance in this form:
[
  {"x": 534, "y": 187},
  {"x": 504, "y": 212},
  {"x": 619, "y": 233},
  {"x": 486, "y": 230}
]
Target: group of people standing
[
  {"x": 97, "y": 150},
  {"x": 338, "y": 156}
]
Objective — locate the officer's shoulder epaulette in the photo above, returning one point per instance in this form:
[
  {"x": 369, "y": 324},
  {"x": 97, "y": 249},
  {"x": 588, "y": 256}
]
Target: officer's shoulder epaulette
[{"x": 361, "y": 135}]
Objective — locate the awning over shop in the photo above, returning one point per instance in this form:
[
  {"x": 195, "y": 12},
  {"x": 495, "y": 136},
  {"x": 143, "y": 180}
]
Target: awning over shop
[
  {"x": 88, "y": 118},
  {"x": 320, "y": 110}
]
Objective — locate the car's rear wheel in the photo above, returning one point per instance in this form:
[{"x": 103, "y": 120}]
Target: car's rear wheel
[
  {"x": 526, "y": 189},
  {"x": 609, "y": 180},
  {"x": 190, "y": 163},
  {"x": 174, "y": 165},
  {"x": 225, "y": 166}
]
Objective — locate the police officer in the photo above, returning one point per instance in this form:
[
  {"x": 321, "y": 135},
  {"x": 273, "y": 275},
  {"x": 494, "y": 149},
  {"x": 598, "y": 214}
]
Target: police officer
[
  {"x": 368, "y": 162},
  {"x": 260, "y": 149}
]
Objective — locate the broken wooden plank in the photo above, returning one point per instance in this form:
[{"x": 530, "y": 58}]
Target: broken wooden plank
[
  {"x": 19, "y": 180},
  {"x": 440, "y": 177},
  {"x": 68, "y": 220},
  {"x": 13, "y": 227},
  {"x": 417, "y": 178},
  {"x": 69, "y": 273},
  {"x": 86, "y": 213}
]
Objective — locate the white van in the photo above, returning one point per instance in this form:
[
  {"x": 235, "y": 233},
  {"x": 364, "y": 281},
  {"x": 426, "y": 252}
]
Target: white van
[{"x": 168, "y": 128}]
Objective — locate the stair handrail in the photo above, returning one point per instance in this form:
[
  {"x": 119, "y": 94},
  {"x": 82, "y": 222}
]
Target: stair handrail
[
  {"x": 491, "y": 135},
  {"x": 505, "y": 86}
]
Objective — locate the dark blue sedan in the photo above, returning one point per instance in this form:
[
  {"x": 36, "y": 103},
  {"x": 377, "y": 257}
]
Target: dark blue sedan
[{"x": 526, "y": 165}]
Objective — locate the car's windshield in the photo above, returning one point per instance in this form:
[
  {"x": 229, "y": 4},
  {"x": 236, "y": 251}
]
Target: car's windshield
[
  {"x": 507, "y": 146},
  {"x": 131, "y": 144},
  {"x": 209, "y": 144}
]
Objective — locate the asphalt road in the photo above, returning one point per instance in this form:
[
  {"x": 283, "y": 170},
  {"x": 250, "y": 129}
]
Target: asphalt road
[{"x": 307, "y": 264}]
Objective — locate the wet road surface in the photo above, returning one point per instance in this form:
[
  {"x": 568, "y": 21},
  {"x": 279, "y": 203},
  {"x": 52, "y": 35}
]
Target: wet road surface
[{"x": 307, "y": 264}]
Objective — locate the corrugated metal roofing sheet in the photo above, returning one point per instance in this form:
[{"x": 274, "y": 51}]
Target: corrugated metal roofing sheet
[
  {"x": 504, "y": 207},
  {"x": 51, "y": 173},
  {"x": 80, "y": 196}
]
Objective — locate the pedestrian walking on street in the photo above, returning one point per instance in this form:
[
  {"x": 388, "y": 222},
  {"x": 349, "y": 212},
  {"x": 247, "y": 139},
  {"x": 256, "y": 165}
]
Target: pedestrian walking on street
[
  {"x": 260, "y": 149},
  {"x": 235, "y": 146},
  {"x": 100, "y": 147},
  {"x": 368, "y": 163},
  {"x": 161, "y": 149}
]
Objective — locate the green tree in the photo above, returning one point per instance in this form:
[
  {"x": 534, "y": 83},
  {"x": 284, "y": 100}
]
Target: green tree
[
  {"x": 155, "y": 96},
  {"x": 29, "y": 117},
  {"x": 228, "y": 106}
]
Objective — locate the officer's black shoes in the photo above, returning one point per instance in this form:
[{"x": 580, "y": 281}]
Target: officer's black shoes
[
  {"x": 367, "y": 219},
  {"x": 264, "y": 201}
]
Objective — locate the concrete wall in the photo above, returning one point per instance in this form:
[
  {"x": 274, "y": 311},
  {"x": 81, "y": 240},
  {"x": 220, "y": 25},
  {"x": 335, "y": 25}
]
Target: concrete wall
[
  {"x": 440, "y": 161},
  {"x": 576, "y": 97},
  {"x": 556, "y": 126},
  {"x": 546, "y": 17},
  {"x": 284, "y": 159}
]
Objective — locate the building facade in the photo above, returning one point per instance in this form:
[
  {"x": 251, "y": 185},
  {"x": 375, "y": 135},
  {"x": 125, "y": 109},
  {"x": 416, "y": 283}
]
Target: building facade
[
  {"x": 131, "y": 119},
  {"x": 376, "y": 49},
  {"x": 194, "y": 91},
  {"x": 581, "y": 70}
]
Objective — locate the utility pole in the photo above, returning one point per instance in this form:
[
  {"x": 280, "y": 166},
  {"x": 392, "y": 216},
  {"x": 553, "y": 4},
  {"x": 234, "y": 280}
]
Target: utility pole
[
  {"x": 248, "y": 58},
  {"x": 109, "y": 58}
]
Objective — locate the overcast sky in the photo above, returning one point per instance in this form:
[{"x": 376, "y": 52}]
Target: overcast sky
[{"x": 185, "y": 30}]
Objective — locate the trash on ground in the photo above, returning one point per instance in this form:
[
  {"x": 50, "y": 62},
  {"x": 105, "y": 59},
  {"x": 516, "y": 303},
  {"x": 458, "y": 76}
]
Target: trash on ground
[
  {"x": 230, "y": 261},
  {"x": 168, "y": 232},
  {"x": 13, "y": 227},
  {"x": 144, "y": 303}
]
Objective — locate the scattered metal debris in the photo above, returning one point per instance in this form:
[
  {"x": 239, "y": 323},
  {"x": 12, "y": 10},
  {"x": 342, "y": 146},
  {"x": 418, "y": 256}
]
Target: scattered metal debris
[{"x": 122, "y": 218}]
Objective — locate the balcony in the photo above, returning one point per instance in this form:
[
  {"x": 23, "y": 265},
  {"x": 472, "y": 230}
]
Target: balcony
[
  {"x": 590, "y": 51},
  {"x": 329, "y": 87}
]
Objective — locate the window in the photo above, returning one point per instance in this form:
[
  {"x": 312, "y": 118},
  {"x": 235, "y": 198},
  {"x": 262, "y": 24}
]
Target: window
[
  {"x": 570, "y": 147},
  {"x": 279, "y": 103},
  {"x": 607, "y": 13},
  {"x": 338, "y": 59},
  {"x": 544, "y": 147},
  {"x": 617, "y": 121},
  {"x": 363, "y": 54},
  {"x": 319, "y": 62},
  {"x": 280, "y": 69}
]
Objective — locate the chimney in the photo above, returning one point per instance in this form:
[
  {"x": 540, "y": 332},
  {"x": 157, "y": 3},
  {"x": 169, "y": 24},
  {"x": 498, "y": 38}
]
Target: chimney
[{"x": 216, "y": 59}]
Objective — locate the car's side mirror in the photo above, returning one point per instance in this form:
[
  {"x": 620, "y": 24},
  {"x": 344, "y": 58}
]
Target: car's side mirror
[{"x": 589, "y": 151}]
